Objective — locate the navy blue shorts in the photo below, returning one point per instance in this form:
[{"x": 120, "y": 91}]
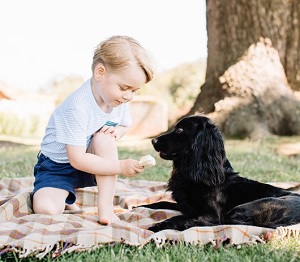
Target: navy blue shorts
[{"x": 48, "y": 173}]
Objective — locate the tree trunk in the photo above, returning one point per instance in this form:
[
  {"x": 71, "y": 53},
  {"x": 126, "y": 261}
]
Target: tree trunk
[{"x": 253, "y": 66}]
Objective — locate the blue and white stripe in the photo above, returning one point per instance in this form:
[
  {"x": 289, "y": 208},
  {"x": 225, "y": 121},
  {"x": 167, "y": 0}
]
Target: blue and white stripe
[{"x": 75, "y": 120}]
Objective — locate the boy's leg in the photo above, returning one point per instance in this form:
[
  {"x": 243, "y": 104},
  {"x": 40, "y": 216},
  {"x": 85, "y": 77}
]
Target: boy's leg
[
  {"x": 49, "y": 201},
  {"x": 106, "y": 192},
  {"x": 105, "y": 146}
]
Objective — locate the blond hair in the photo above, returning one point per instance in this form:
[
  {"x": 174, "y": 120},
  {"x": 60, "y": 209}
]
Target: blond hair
[{"x": 120, "y": 51}]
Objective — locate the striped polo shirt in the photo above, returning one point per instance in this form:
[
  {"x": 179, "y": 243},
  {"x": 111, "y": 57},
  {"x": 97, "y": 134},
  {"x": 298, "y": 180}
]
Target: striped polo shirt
[{"x": 75, "y": 120}]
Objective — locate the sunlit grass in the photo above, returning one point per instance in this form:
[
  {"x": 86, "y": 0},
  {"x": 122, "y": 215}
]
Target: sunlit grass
[
  {"x": 259, "y": 160},
  {"x": 274, "y": 251},
  {"x": 17, "y": 160}
]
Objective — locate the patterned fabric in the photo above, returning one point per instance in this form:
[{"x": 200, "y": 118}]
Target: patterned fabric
[{"x": 29, "y": 234}]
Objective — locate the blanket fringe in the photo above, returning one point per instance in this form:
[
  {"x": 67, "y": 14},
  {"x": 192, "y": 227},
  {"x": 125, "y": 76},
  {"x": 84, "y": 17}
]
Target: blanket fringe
[
  {"x": 288, "y": 232},
  {"x": 58, "y": 249},
  {"x": 161, "y": 240},
  {"x": 80, "y": 248},
  {"x": 45, "y": 252},
  {"x": 63, "y": 247},
  {"x": 8, "y": 249},
  {"x": 23, "y": 253}
]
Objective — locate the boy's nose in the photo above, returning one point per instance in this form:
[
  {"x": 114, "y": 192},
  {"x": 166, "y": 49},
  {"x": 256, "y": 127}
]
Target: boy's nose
[{"x": 128, "y": 96}]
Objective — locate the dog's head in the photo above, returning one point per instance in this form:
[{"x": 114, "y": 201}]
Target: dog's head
[{"x": 197, "y": 148}]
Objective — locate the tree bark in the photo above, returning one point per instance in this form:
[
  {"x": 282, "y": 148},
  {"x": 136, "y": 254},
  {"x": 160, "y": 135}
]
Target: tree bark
[{"x": 253, "y": 66}]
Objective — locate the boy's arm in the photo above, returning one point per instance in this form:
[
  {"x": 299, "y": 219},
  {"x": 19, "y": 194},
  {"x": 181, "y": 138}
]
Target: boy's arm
[{"x": 97, "y": 165}]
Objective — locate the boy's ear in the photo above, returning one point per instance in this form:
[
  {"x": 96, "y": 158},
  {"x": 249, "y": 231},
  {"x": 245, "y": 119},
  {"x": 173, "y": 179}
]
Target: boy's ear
[{"x": 99, "y": 71}]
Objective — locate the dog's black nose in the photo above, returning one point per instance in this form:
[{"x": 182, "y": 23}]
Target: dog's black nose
[{"x": 154, "y": 141}]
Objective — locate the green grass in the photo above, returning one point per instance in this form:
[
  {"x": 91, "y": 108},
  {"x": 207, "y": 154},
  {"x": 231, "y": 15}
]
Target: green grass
[
  {"x": 258, "y": 159},
  {"x": 254, "y": 159},
  {"x": 274, "y": 251}
]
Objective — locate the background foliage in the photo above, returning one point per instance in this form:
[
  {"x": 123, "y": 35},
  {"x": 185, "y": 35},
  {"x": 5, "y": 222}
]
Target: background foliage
[{"x": 178, "y": 86}]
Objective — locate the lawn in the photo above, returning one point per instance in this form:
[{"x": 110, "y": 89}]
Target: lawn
[{"x": 254, "y": 159}]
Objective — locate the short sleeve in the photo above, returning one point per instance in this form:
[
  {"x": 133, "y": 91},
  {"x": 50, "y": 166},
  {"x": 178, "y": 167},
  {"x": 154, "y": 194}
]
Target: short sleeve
[{"x": 71, "y": 127}]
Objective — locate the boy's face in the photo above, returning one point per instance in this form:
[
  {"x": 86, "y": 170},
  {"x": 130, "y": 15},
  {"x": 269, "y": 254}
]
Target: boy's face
[{"x": 117, "y": 87}]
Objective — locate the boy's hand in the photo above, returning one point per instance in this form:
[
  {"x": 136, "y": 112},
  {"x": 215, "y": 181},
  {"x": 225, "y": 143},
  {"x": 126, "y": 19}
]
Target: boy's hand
[
  {"x": 130, "y": 167},
  {"x": 116, "y": 132}
]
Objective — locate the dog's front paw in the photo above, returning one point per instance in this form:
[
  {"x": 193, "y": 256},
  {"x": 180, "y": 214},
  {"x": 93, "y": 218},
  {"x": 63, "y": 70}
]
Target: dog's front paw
[
  {"x": 155, "y": 228},
  {"x": 161, "y": 226}
]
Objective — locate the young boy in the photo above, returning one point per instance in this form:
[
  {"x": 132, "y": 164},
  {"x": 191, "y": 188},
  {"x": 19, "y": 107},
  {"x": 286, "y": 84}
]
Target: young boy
[{"x": 79, "y": 145}]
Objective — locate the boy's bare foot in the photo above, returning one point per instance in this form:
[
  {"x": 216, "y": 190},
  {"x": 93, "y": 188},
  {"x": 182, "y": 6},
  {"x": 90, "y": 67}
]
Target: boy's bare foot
[
  {"x": 72, "y": 209},
  {"x": 107, "y": 217}
]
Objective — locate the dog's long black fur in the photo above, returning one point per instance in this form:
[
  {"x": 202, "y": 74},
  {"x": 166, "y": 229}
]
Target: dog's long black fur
[{"x": 208, "y": 191}]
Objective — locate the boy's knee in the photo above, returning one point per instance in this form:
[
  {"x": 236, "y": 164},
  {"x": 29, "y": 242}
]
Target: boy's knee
[
  {"x": 103, "y": 145},
  {"x": 103, "y": 140},
  {"x": 47, "y": 207}
]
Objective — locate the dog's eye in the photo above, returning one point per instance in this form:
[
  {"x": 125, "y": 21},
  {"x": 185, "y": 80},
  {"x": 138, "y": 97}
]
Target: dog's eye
[{"x": 179, "y": 130}]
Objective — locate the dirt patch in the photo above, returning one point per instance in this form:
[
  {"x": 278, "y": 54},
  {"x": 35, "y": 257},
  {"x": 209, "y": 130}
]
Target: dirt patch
[
  {"x": 9, "y": 144},
  {"x": 289, "y": 149}
]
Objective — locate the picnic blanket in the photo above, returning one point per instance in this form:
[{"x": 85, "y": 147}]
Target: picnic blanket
[{"x": 30, "y": 234}]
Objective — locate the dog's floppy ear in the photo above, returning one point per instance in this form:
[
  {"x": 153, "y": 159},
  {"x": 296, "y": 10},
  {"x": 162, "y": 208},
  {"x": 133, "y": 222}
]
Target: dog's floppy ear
[{"x": 203, "y": 161}]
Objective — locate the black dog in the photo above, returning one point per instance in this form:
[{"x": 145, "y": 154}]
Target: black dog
[{"x": 207, "y": 190}]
